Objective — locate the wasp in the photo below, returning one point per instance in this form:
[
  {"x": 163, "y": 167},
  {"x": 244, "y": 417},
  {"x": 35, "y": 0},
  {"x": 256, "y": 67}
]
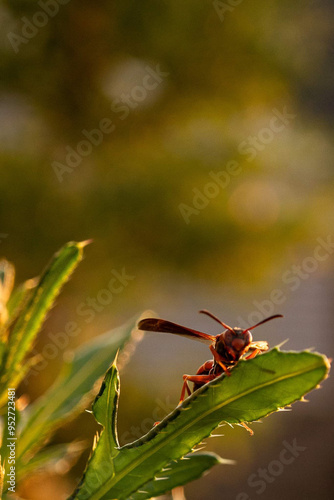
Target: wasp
[{"x": 227, "y": 347}]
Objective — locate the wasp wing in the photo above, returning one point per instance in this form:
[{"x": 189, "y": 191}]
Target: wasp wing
[{"x": 161, "y": 325}]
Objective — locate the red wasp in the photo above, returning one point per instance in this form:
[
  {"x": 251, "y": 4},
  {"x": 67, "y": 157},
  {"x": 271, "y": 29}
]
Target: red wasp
[{"x": 227, "y": 347}]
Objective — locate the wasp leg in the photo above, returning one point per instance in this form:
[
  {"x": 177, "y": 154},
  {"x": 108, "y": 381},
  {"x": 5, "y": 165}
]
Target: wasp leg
[
  {"x": 197, "y": 379},
  {"x": 253, "y": 354},
  {"x": 185, "y": 388},
  {"x": 247, "y": 428},
  {"x": 218, "y": 360}
]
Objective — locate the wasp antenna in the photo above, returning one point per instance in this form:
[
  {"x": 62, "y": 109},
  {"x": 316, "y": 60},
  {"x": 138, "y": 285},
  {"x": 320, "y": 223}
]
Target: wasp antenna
[
  {"x": 264, "y": 321},
  {"x": 204, "y": 311}
]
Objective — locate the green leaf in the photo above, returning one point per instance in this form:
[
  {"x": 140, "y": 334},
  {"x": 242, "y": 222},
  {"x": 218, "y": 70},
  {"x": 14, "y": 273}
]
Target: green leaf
[
  {"x": 18, "y": 299},
  {"x": 35, "y": 310},
  {"x": 178, "y": 473},
  {"x": 256, "y": 388},
  {"x": 72, "y": 389},
  {"x": 7, "y": 276},
  {"x": 100, "y": 465},
  {"x": 51, "y": 457}
]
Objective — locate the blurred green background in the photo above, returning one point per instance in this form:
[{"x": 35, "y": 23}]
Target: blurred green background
[{"x": 192, "y": 90}]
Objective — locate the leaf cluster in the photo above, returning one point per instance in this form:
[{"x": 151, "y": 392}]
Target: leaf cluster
[{"x": 166, "y": 456}]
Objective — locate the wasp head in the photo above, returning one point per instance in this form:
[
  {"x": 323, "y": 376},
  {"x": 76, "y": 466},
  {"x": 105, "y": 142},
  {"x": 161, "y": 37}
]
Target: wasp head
[{"x": 233, "y": 343}]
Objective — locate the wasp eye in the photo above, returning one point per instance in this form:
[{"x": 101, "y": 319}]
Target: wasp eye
[
  {"x": 228, "y": 336},
  {"x": 248, "y": 337}
]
